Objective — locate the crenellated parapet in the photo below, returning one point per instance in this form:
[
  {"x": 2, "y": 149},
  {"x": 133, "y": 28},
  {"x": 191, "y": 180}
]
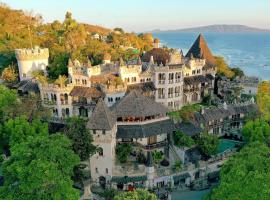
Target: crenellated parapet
[{"x": 32, "y": 54}]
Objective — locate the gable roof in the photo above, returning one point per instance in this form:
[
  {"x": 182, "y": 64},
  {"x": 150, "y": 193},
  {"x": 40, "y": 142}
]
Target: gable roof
[
  {"x": 102, "y": 118},
  {"x": 201, "y": 50},
  {"x": 135, "y": 104},
  {"x": 87, "y": 92}
]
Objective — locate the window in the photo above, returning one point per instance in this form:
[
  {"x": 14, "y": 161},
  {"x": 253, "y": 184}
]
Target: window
[
  {"x": 107, "y": 171},
  {"x": 100, "y": 152},
  {"x": 170, "y": 104},
  {"x": 170, "y": 93},
  {"x": 161, "y": 78},
  {"x": 24, "y": 75},
  {"x": 177, "y": 77},
  {"x": 193, "y": 72},
  {"x": 103, "y": 132},
  {"x": 94, "y": 131},
  {"x": 96, "y": 170},
  {"x": 171, "y": 78},
  {"x": 177, "y": 91},
  {"x": 161, "y": 93},
  {"x": 198, "y": 71}
]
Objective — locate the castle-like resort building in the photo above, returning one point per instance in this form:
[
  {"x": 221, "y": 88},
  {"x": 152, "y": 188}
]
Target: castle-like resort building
[{"x": 129, "y": 102}]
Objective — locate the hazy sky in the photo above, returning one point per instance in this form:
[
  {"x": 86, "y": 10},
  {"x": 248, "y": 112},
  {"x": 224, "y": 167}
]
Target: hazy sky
[{"x": 143, "y": 15}]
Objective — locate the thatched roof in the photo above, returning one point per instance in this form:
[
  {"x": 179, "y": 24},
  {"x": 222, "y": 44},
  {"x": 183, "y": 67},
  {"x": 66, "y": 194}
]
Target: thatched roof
[
  {"x": 102, "y": 118},
  {"x": 87, "y": 92},
  {"x": 135, "y": 104},
  {"x": 201, "y": 50}
]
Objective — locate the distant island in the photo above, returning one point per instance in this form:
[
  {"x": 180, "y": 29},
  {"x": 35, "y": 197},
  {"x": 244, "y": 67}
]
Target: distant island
[{"x": 220, "y": 28}]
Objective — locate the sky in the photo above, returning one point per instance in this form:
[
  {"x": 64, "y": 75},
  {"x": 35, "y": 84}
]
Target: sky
[{"x": 147, "y": 15}]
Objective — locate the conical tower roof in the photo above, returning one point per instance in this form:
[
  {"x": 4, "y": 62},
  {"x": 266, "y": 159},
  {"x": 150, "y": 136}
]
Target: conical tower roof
[
  {"x": 102, "y": 117},
  {"x": 201, "y": 50}
]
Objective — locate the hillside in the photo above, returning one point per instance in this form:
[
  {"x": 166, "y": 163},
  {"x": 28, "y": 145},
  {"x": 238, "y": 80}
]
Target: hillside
[
  {"x": 221, "y": 28},
  {"x": 65, "y": 39}
]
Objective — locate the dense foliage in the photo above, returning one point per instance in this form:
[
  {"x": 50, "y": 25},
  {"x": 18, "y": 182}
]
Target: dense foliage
[
  {"x": 40, "y": 165},
  {"x": 263, "y": 99},
  {"x": 182, "y": 140},
  {"x": 208, "y": 144},
  {"x": 40, "y": 168},
  {"x": 246, "y": 175},
  {"x": 80, "y": 137},
  {"x": 138, "y": 194},
  {"x": 223, "y": 68},
  {"x": 123, "y": 152},
  {"x": 65, "y": 39}
]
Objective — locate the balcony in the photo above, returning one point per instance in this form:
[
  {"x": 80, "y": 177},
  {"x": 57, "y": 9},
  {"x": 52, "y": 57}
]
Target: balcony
[
  {"x": 171, "y": 81},
  {"x": 177, "y": 80}
]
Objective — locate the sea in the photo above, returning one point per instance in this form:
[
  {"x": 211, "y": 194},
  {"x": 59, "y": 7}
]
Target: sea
[{"x": 249, "y": 51}]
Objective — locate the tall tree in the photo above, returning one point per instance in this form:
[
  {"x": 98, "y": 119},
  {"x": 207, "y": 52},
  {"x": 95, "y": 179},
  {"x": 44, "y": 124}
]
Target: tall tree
[
  {"x": 246, "y": 175},
  {"x": 40, "y": 168},
  {"x": 208, "y": 144},
  {"x": 8, "y": 101},
  {"x": 18, "y": 130},
  {"x": 80, "y": 137}
]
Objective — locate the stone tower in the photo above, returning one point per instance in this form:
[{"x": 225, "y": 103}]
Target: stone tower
[
  {"x": 30, "y": 60},
  {"x": 104, "y": 128}
]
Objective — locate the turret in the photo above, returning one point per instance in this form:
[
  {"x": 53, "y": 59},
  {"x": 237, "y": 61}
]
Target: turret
[
  {"x": 30, "y": 60},
  {"x": 150, "y": 170}
]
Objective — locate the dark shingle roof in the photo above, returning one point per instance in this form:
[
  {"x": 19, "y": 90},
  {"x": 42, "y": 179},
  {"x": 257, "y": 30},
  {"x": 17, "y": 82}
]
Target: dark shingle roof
[
  {"x": 102, "y": 118},
  {"x": 135, "y": 104},
  {"x": 145, "y": 130},
  {"x": 221, "y": 112},
  {"x": 87, "y": 92},
  {"x": 189, "y": 129},
  {"x": 144, "y": 87},
  {"x": 201, "y": 50},
  {"x": 27, "y": 86},
  {"x": 190, "y": 80}
]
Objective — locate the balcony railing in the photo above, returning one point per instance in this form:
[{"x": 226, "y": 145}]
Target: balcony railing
[
  {"x": 161, "y": 96},
  {"x": 171, "y": 81},
  {"x": 156, "y": 145},
  {"x": 170, "y": 95}
]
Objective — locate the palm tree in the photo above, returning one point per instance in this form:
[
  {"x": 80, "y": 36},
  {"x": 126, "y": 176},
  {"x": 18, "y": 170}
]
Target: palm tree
[{"x": 61, "y": 81}]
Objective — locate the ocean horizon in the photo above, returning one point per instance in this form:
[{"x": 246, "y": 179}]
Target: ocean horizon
[{"x": 249, "y": 51}]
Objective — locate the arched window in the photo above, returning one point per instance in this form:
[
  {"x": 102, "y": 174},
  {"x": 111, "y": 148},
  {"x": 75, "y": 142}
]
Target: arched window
[
  {"x": 194, "y": 97},
  {"x": 184, "y": 98},
  {"x": 100, "y": 151},
  {"x": 67, "y": 112},
  {"x": 66, "y": 98}
]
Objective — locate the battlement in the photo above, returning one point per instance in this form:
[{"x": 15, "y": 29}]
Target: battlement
[
  {"x": 196, "y": 62},
  {"x": 131, "y": 69},
  {"x": 35, "y": 53}
]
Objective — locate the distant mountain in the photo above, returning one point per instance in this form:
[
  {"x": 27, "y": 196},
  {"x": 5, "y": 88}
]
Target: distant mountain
[{"x": 222, "y": 28}]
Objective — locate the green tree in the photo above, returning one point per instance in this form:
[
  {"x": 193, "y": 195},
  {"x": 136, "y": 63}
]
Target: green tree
[
  {"x": 80, "y": 137},
  {"x": 8, "y": 101},
  {"x": 238, "y": 72},
  {"x": 182, "y": 140},
  {"x": 263, "y": 99},
  {"x": 223, "y": 68},
  {"x": 245, "y": 175},
  {"x": 40, "y": 168},
  {"x": 18, "y": 130},
  {"x": 257, "y": 130},
  {"x": 138, "y": 194},
  {"x": 157, "y": 156},
  {"x": 208, "y": 144},
  {"x": 122, "y": 152}
]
